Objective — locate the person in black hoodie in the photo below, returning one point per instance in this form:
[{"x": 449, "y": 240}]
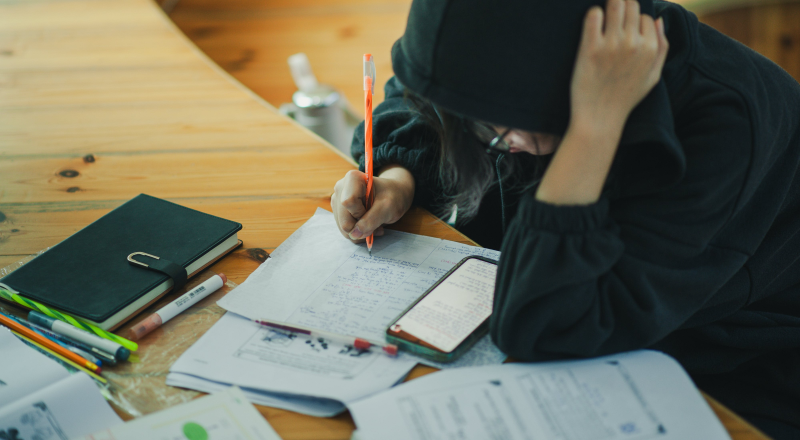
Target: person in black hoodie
[{"x": 669, "y": 220}]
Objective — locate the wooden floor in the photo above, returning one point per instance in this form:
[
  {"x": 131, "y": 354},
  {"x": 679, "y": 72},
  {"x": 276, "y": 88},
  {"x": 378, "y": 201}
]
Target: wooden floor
[{"x": 251, "y": 39}]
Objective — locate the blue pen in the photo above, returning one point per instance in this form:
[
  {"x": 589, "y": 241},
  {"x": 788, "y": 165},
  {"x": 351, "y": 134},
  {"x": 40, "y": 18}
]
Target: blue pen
[{"x": 99, "y": 354}]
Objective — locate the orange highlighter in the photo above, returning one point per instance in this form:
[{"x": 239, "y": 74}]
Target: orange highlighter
[{"x": 369, "y": 90}]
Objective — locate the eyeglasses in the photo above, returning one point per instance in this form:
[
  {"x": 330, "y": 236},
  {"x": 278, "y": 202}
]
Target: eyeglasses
[{"x": 494, "y": 142}]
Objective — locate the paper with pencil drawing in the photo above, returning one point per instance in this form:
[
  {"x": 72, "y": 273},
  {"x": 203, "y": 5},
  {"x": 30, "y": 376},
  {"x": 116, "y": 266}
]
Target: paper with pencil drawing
[
  {"x": 37, "y": 396},
  {"x": 240, "y": 352},
  {"x": 320, "y": 280},
  {"x": 69, "y": 408}
]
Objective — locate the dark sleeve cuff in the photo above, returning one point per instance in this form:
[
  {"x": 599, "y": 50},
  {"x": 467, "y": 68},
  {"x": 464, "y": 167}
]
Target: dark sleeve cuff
[{"x": 562, "y": 218}]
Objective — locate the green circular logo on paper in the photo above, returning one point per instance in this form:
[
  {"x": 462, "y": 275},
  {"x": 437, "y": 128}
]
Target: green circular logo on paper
[{"x": 193, "y": 431}]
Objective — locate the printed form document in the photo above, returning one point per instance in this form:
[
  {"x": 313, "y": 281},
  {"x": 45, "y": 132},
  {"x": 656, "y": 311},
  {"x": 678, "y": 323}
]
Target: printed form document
[
  {"x": 316, "y": 278},
  {"x": 641, "y": 395}
]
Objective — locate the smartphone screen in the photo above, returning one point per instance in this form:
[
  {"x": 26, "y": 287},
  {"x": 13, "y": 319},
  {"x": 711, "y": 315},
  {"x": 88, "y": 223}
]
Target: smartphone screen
[{"x": 454, "y": 308}]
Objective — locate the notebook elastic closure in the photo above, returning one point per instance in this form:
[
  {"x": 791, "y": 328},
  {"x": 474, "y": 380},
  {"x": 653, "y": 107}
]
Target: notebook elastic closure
[{"x": 158, "y": 264}]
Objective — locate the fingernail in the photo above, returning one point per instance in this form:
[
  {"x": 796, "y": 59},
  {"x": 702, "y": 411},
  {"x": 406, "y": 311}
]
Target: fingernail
[{"x": 356, "y": 233}]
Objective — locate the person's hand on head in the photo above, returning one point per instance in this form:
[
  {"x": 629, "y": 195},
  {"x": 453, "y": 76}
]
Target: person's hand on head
[
  {"x": 620, "y": 58},
  {"x": 394, "y": 192},
  {"x": 619, "y": 61}
]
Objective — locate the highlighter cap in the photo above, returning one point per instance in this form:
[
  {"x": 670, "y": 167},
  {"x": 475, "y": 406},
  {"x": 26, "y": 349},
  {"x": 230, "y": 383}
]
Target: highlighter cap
[{"x": 149, "y": 324}]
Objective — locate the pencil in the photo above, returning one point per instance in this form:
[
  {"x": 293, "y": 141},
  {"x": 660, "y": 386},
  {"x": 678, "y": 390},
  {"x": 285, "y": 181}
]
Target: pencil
[
  {"x": 369, "y": 90},
  {"x": 30, "y": 334},
  {"x": 53, "y": 313},
  {"x": 62, "y": 358}
]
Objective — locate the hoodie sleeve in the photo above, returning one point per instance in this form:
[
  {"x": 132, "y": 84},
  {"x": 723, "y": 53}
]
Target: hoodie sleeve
[
  {"x": 622, "y": 273},
  {"x": 401, "y": 137}
]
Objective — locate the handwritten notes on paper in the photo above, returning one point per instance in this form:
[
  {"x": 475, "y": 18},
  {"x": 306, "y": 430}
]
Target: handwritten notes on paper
[{"x": 317, "y": 279}]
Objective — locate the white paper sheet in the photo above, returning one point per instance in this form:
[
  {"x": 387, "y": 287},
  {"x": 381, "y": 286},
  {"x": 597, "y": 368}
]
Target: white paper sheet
[
  {"x": 312, "y": 406},
  {"x": 24, "y": 370},
  {"x": 318, "y": 279},
  {"x": 69, "y": 408},
  {"x": 240, "y": 352},
  {"x": 484, "y": 352},
  {"x": 223, "y": 415},
  {"x": 636, "y": 396}
]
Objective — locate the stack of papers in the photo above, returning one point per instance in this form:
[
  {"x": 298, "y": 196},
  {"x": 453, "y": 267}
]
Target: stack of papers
[
  {"x": 633, "y": 396},
  {"x": 318, "y": 279}
]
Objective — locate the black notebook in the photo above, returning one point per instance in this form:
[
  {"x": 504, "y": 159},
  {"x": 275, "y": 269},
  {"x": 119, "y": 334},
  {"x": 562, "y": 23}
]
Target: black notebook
[{"x": 88, "y": 275}]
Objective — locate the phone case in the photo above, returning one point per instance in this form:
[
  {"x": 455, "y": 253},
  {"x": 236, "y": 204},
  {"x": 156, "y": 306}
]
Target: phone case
[{"x": 425, "y": 350}]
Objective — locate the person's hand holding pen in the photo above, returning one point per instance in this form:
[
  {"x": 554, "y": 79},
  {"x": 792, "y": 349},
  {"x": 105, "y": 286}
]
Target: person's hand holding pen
[{"x": 394, "y": 192}]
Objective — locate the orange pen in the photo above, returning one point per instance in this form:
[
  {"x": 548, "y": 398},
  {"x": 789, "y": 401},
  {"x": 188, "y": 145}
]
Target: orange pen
[
  {"x": 30, "y": 334},
  {"x": 369, "y": 90}
]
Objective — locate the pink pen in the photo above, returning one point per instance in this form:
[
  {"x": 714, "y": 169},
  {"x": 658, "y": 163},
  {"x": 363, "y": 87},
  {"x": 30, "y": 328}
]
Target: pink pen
[{"x": 172, "y": 309}]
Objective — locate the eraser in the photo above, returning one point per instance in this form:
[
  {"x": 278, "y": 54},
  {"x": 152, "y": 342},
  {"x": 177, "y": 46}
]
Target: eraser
[{"x": 224, "y": 278}]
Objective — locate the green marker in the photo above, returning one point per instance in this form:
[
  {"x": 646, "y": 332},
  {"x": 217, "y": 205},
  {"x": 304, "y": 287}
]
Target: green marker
[{"x": 130, "y": 345}]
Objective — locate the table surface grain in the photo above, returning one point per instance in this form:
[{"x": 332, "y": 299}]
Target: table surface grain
[{"x": 101, "y": 100}]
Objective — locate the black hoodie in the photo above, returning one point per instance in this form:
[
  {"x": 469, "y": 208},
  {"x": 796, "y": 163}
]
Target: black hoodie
[{"x": 694, "y": 246}]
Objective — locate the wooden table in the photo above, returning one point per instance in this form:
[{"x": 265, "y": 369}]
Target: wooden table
[{"x": 101, "y": 100}]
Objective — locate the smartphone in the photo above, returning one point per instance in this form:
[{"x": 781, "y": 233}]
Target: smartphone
[{"x": 450, "y": 316}]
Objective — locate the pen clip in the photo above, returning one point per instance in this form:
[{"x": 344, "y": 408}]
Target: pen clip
[{"x": 369, "y": 72}]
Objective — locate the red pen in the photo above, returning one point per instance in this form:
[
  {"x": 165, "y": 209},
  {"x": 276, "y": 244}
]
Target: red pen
[{"x": 369, "y": 90}]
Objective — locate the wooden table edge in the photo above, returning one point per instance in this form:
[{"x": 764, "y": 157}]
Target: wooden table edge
[{"x": 221, "y": 72}]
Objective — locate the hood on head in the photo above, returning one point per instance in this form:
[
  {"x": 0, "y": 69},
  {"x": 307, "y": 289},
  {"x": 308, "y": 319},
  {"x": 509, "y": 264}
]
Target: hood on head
[
  {"x": 506, "y": 62},
  {"x": 510, "y": 62}
]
